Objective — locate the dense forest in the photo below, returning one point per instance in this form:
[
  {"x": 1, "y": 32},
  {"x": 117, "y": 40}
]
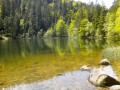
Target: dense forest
[{"x": 58, "y": 18}]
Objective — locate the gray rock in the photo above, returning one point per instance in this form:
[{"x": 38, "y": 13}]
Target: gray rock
[
  {"x": 115, "y": 87},
  {"x": 108, "y": 70},
  {"x": 97, "y": 77},
  {"x": 104, "y": 62},
  {"x": 102, "y": 78},
  {"x": 85, "y": 68}
]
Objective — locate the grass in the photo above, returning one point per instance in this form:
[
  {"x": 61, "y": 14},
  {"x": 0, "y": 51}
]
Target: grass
[{"x": 112, "y": 53}]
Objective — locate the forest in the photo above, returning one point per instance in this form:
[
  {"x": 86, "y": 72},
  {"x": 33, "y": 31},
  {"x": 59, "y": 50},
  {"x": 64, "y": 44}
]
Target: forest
[{"x": 58, "y": 18}]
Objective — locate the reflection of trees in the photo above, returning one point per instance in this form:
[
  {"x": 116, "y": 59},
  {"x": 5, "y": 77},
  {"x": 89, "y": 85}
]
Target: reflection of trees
[
  {"x": 16, "y": 50},
  {"x": 91, "y": 44},
  {"x": 23, "y": 47},
  {"x": 74, "y": 44},
  {"x": 58, "y": 45},
  {"x": 29, "y": 47},
  {"x": 49, "y": 42}
]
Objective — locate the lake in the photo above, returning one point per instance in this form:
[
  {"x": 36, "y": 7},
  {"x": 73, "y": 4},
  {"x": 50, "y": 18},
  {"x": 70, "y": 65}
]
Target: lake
[{"x": 36, "y": 60}]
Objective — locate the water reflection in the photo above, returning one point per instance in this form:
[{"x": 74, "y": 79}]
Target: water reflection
[
  {"x": 30, "y": 60},
  {"x": 25, "y": 47}
]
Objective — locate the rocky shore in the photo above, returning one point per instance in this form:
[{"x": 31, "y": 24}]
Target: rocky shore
[{"x": 86, "y": 78}]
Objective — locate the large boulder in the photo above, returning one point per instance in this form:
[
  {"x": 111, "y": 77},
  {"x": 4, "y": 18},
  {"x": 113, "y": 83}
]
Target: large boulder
[
  {"x": 104, "y": 62},
  {"x": 115, "y": 87},
  {"x": 102, "y": 78}
]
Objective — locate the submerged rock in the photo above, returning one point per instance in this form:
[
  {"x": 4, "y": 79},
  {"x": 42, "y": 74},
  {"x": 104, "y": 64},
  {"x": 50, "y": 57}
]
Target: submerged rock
[
  {"x": 85, "y": 68},
  {"x": 104, "y": 62},
  {"x": 104, "y": 77},
  {"x": 115, "y": 87}
]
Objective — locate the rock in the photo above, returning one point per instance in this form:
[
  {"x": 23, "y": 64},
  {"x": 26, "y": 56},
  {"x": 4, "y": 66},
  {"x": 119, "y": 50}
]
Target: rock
[
  {"x": 104, "y": 62},
  {"x": 108, "y": 70},
  {"x": 85, "y": 68},
  {"x": 115, "y": 87},
  {"x": 99, "y": 78}
]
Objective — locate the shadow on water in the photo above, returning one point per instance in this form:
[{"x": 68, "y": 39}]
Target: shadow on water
[{"x": 31, "y": 60}]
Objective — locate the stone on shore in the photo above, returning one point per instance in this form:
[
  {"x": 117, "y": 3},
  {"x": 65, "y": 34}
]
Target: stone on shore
[
  {"x": 85, "y": 68},
  {"x": 104, "y": 62},
  {"x": 100, "y": 78}
]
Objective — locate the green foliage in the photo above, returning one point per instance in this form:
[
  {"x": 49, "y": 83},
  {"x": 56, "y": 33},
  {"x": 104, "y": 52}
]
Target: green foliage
[
  {"x": 40, "y": 33},
  {"x": 50, "y": 33},
  {"x": 74, "y": 4},
  {"x": 61, "y": 28},
  {"x": 0, "y": 10},
  {"x": 22, "y": 22},
  {"x": 72, "y": 30},
  {"x": 18, "y": 17},
  {"x": 112, "y": 22},
  {"x": 83, "y": 25},
  {"x": 101, "y": 31},
  {"x": 117, "y": 21},
  {"x": 89, "y": 31},
  {"x": 63, "y": 1},
  {"x": 109, "y": 25}
]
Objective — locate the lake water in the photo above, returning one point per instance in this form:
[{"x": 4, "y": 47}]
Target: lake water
[{"x": 35, "y": 60}]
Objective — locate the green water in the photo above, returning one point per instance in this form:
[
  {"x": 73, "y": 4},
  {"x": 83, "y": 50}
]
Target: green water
[{"x": 31, "y": 60}]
